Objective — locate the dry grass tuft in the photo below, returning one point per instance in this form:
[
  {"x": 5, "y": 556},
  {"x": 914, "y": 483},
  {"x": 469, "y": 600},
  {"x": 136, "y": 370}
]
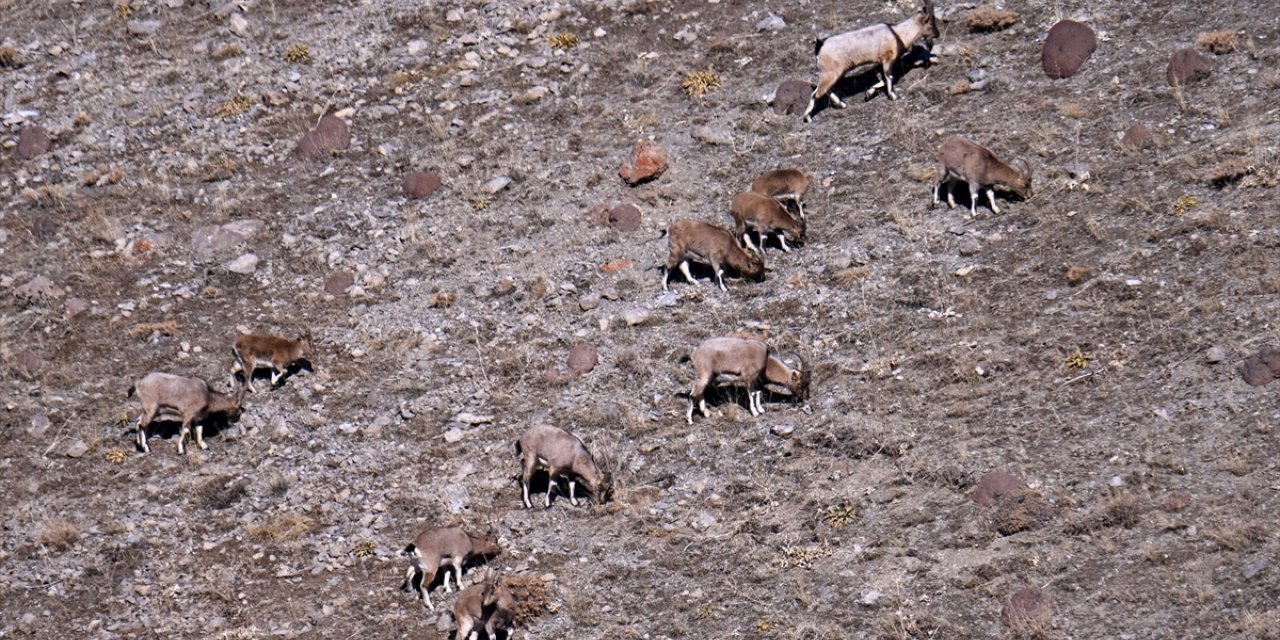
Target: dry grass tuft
[
  {"x": 1217, "y": 42},
  {"x": 443, "y": 299},
  {"x": 58, "y": 533},
  {"x": 221, "y": 493},
  {"x": 699, "y": 83},
  {"x": 1237, "y": 535},
  {"x": 987, "y": 18},
  {"x": 1077, "y": 274},
  {"x": 562, "y": 41},
  {"x": 533, "y": 599},
  {"x": 8, "y": 57},
  {"x": 1073, "y": 110},
  {"x": 116, "y": 456},
  {"x": 297, "y": 53},
  {"x": 282, "y": 528},
  {"x": 227, "y": 52},
  {"x": 363, "y": 549},
  {"x": 1183, "y": 205},
  {"x": 1078, "y": 359},
  {"x": 233, "y": 107}
]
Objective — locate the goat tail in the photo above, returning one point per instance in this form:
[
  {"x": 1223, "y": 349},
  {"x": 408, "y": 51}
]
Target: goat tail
[
  {"x": 133, "y": 388},
  {"x": 817, "y": 45},
  {"x": 410, "y": 550}
]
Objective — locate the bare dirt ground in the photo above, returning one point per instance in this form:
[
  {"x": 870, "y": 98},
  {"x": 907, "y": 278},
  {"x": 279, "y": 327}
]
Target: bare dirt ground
[{"x": 1085, "y": 341}]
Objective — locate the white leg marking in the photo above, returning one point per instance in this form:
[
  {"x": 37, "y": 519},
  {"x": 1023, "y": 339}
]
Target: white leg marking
[
  {"x": 991, "y": 197},
  {"x": 573, "y": 498},
  {"x": 525, "y": 487},
  {"x": 275, "y": 376},
  {"x": 720, "y": 279},
  {"x": 200, "y": 437},
  {"x": 689, "y": 414},
  {"x": 702, "y": 406},
  {"x": 684, "y": 268},
  {"x": 973, "y": 200},
  {"x": 782, "y": 240}
]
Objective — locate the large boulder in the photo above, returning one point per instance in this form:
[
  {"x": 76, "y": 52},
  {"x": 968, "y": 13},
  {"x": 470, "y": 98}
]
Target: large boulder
[{"x": 1069, "y": 44}]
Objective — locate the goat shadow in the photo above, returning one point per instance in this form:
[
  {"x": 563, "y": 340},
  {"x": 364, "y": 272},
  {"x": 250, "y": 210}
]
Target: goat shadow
[
  {"x": 302, "y": 364},
  {"x": 716, "y": 396},
  {"x": 851, "y": 86},
  {"x": 169, "y": 428},
  {"x": 538, "y": 489},
  {"x": 701, "y": 272},
  {"x": 960, "y": 192},
  {"x": 414, "y": 583},
  {"x": 771, "y": 240}
]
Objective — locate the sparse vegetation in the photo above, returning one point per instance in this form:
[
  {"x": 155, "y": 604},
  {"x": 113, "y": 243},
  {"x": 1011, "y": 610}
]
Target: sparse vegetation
[
  {"x": 1078, "y": 359},
  {"x": 297, "y": 53},
  {"x": 234, "y": 106},
  {"x": 562, "y": 41},
  {"x": 988, "y": 18},
  {"x": 1218, "y": 42},
  {"x": 699, "y": 83},
  {"x": 58, "y": 534},
  {"x": 8, "y": 56},
  {"x": 281, "y": 528}
]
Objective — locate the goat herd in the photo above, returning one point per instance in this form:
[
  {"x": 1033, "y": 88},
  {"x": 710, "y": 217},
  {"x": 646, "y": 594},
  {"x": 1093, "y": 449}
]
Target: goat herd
[{"x": 773, "y": 208}]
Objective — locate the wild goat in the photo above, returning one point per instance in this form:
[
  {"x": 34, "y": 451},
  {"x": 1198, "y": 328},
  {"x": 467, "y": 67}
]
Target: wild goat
[
  {"x": 783, "y": 185},
  {"x": 562, "y": 455},
  {"x": 255, "y": 351},
  {"x": 879, "y": 44},
  {"x": 755, "y": 212},
  {"x": 490, "y": 604},
  {"x": 973, "y": 163},
  {"x": 447, "y": 547},
  {"x": 706, "y": 243},
  {"x": 189, "y": 399},
  {"x": 749, "y": 363}
]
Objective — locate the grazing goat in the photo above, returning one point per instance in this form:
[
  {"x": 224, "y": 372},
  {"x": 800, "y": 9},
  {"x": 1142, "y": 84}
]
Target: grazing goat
[
  {"x": 694, "y": 240},
  {"x": 879, "y": 44},
  {"x": 443, "y": 546},
  {"x": 755, "y": 212},
  {"x": 255, "y": 351},
  {"x": 562, "y": 455},
  {"x": 783, "y": 185},
  {"x": 749, "y": 363},
  {"x": 490, "y": 604},
  {"x": 189, "y": 399},
  {"x": 973, "y": 163}
]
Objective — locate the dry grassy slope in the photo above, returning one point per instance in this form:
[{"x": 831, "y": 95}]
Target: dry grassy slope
[{"x": 722, "y": 529}]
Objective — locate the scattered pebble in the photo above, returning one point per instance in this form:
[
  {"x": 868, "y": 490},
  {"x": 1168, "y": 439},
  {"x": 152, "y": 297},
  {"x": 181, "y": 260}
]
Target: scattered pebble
[{"x": 245, "y": 264}]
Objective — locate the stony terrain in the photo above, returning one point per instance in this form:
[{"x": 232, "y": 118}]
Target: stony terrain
[{"x": 1086, "y": 341}]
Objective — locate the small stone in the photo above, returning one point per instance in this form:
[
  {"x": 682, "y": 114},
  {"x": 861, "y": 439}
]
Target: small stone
[
  {"x": 142, "y": 589},
  {"x": 338, "y": 281},
  {"x": 792, "y": 97},
  {"x": 466, "y": 417},
  {"x": 713, "y": 135},
  {"x": 454, "y": 434},
  {"x": 27, "y": 623},
  {"x": 993, "y": 485},
  {"x": 420, "y": 184},
  {"x": 77, "y": 449},
  {"x": 772, "y": 23},
  {"x": 583, "y": 357},
  {"x": 417, "y": 46},
  {"x": 28, "y": 363},
  {"x": 32, "y": 142},
  {"x": 238, "y": 24},
  {"x": 1254, "y": 568},
  {"x": 1137, "y": 136},
  {"x": 39, "y": 424},
  {"x": 1216, "y": 354},
  {"x": 76, "y": 306},
  {"x": 142, "y": 27},
  {"x": 38, "y": 289},
  {"x": 1255, "y": 372},
  {"x": 453, "y": 15},
  {"x": 497, "y": 184},
  {"x": 533, "y": 95},
  {"x": 588, "y": 302},
  {"x": 1116, "y": 481},
  {"x": 244, "y": 265},
  {"x": 1066, "y": 49},
  {"x": 635, "y": 317},
  {"x": 624, "y": 217},
  {"x": 330, "y": 135},
  {"x": 783, "y": 430},
  {"x": 646, "y": 162},
  {"x": 1270, "y": 356},
  {"x": 870, "y": 598},
  {"x": 1187, "y": 66}
]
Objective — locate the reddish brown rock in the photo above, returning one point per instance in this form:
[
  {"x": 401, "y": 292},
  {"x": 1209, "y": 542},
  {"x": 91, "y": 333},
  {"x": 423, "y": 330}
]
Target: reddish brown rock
[
  {"x": 338, "y": 281},
  {"x": 1028, "y": 610},
  {"x": 1137, "y": 136},
  {"x": 331, "y": 134},
  {"x": 792, "y": 97},
  {"x": 625, "y": 217},
  {"x": 993, "y": 485},
  {"x": 1256, "y": 372},
  {"x": 646, "y": 162},
  {"x": 1069, "y": 44},
  {"x": 617, "y": 265},
  {"x": 420, "y": 184},
  {"x": 28, "y": 363},
  {"x": 1187, "y": 66},
  {"x": 32, "y": 142},
  {"x": 583, "y": 357},
  {"x": 1270, "y": 356}
]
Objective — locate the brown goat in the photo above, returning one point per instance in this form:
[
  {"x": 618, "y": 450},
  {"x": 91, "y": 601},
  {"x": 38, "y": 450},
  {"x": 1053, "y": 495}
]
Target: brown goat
[
  {"x": 963, "y": 159},
  {"x": 447, "y": 547},
  {"x": 562, "y": 455},
  {"x": 490, "y": 604},
  {"x": 760, "y": 213},
  {"x": 189, "y": 399},
  {"x": 706, "y": 243},
  {"x": 255, "y": 351},
  {"x": 879, "y": 44},
  {"x": 783, "y": 185},
  {"x": 749, "y": 363}
]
